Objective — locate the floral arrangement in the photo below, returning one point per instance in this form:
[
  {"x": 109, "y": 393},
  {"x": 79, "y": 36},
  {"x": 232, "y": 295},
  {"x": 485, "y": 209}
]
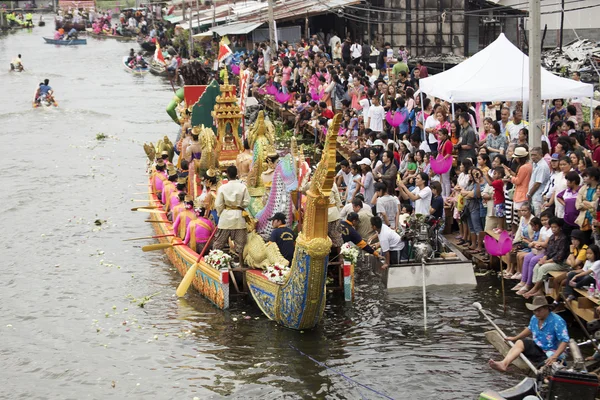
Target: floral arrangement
[
  {"x": 277, "y": 273},
  {"x": 218, "y": 259},
  {"x": 349, "y": 252}
]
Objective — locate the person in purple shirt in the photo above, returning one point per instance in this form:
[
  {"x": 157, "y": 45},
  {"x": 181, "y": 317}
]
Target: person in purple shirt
[{"x": 549, "y": 338}]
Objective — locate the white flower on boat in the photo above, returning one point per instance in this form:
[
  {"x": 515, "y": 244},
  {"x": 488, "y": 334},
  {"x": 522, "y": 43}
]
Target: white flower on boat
[
  {"x": 349, "y": 252},
  {"x": 277, "y": 273},
  {"x": 218, "y": 259}
]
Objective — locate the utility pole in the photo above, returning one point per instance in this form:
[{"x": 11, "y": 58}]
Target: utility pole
[
  {"x": 535, "y": 76},
  {"x": 272, "y": 28},
  {"x": 191, "y": 55},
  {"x": 562, "y": 22},
  {"x": 369, "y": 23},
  {"x": 214, "y": 13}
]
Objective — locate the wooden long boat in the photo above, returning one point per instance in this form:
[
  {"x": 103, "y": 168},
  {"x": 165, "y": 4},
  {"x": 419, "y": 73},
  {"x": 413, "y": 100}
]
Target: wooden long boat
[
  {"x": 71, "y": 42},
  {"x": 137, "y": 70},
  {"x": 299, "y": 302},
  {"x": 67, "y": 25},
  {"x": 118, "y": 38}
]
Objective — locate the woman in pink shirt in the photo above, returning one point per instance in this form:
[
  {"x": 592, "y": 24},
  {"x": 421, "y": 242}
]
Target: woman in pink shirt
[{"x": 286, "y": 73}]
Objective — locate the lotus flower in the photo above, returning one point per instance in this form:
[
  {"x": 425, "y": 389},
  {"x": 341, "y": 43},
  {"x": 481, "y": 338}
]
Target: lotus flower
[
  {"x": 396, "y": 120},
  {"x": 316, "y": 95},
  {"x": 498, "y": 247},
  {"x": 282, "y": 98},
  {"x": 235, "y": 69},
  {"x": 272, "y": 90},
  {"x": 441, "y": 166}
]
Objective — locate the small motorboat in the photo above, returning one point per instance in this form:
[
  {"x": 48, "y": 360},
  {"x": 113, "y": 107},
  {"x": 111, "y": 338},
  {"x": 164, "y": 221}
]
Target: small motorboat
[
  {"x": 68, "y": 42},
  {"x": 137, "y": 69},
  {"x": 48, "y": 101}
]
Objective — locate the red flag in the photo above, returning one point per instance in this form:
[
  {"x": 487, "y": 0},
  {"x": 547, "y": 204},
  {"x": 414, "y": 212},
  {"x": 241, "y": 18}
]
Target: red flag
[
  {"x": 171, "y": 10},
  {"x": 158, "y": 56},
  {"x": 224, "y": 52}
]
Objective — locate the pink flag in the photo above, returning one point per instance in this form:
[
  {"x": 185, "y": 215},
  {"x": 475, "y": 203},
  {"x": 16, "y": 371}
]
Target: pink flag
[
  {"x": 441, "y": 166},
  {"x": 498, "y": 247},
  {"x": 282, "y": 97},
  {"x": 394, "y": 121}
]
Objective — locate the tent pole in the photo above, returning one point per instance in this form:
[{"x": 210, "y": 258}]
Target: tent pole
[
  {"x": 422, "y": 111},
  {"x": 453, "y": 113}
]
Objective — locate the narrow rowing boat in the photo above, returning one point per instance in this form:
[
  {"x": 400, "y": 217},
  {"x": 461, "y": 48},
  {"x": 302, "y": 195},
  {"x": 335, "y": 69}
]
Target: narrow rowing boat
[
  {"x": 118, "y": 38},
  {"x": 70, "y": 42},
  {"x": 137, "y": 70}
]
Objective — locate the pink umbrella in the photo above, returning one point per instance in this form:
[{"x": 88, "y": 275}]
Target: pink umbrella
[
  {"x": 272, "y": 90},
  {"x": 441, "y": 166},
  {"x": 396, "y": 120},
  {"x": 235, "y": 69},
  {"x": 498, "y": 247},
  {"x": 282, "y": 97}
]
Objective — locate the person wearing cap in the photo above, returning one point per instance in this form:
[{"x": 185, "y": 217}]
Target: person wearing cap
[
  {"x": 350, "y": 234},
  {"x": 159, "y": 177},
  {"x": 232, "y": 199},
  {"x": 390, "y": 243},
  {"x": 520, "y": 179},
  {"x": 540, "y": 176},
  {"x": 283, "y": 236},
  {"x": 367, "y": 181},
  {"x": 555, "y": 258},
  {"x": 184, "y": 217},
  {"x": 549, "y": 338},
  {"x": 198, "y": 231}
]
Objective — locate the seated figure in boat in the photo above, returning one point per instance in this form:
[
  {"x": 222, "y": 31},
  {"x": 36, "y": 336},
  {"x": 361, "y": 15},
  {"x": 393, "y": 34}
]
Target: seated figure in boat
[
  {"x": 549, "y": 338},
  {"x": 159, "y": 177},
  {"x": 199, "y": 231},
  {"x": 16, "y": 63},
  {"x": 59, "y": 34},
  {"x": 177, "y": 206},
  {"x": 271, "y": 160},
  {"x": 131, "y": 56},
  {"x": 173, "y": 64},
  {"x": 171, "y": 199},
  {"x": 209, "y": 194},
  {"x": 45, "y": 92},
  {"x": 72, "y": 34},
  {"x": 169, "y": 184},
  {"x": 283, "y": 236},
  {"x": 232, "y": 199},
  {"x": 184, "y": 218}
]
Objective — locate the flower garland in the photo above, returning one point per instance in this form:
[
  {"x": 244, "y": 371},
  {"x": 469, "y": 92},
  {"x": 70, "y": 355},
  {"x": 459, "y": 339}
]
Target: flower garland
[
  {"x": 218, "y": 259},
  {"x": 277, "y": 273},
  {"x": 349, "y": 252}
]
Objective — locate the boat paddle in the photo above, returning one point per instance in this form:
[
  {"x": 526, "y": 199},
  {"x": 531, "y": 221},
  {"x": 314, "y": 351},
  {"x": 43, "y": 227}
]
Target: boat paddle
[
  {"x": 522, "y": 356},
  {"x": 191, "y": 273},
  {"x": 160, "y": 246},
  {"x": 147, "y": 207},
  {"x": 148, "y": 237},
  {"x": 154, "y": 210},
  {"x": 158, "y": 222}
]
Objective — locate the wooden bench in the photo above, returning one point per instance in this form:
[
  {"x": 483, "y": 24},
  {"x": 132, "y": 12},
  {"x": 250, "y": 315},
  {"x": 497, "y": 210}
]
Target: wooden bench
[{"x": 583, "y": 305}]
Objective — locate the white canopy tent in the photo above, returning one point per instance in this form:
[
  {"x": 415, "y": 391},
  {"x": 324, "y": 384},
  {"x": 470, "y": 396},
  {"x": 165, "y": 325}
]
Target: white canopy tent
[{"x": 500, "y": 72}]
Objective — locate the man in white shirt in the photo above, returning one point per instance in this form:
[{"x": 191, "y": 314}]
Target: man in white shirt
[
  {"x": 513, "y": 127},
  {"x": 232, "y": 199},
  {"x": 344, "y": 176},
  {"x": 390, "y": 242},
  {"x": 421, "y": 194},
  {"x": 356, "y": 52},
  {"x": 375, "y": 117},
  {"x": 366, "y": 105},
  {"x": 417, "y": 144},
  {"x": 539, "y": 178}
]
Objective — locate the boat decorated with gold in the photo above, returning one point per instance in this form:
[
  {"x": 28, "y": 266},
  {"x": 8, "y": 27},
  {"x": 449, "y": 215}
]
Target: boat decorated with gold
[{"x": 298, "y": 300}]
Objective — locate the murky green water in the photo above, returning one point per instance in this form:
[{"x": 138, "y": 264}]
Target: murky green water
[{"x": 68, "y": 326}]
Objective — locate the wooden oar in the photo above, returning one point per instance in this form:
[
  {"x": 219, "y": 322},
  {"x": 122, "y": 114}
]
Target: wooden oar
[
  {"x": 150, "y": 210},
  {"x": 143, "y": 193},
  {"x": 146, "y": 207},
  {"x": 147, "y": 200},
  {"x": 191, "y": 273},
  {"x": 160, "y": 246},
  {"x": 148, "y": 237},
  {"x": 158, "y": 222},
  {"x": 522, "y": 356}
]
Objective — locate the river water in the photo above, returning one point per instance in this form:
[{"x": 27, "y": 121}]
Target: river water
[{"x": 70, "y": 323}]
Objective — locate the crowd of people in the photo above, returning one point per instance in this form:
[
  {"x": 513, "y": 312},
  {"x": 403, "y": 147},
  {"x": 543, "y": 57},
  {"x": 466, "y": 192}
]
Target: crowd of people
[{"x": 545, "y": 196}]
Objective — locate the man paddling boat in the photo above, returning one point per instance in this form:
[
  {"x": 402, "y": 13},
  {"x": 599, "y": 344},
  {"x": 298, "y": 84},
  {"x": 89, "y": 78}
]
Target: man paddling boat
[{"x": 549, "y": 338}]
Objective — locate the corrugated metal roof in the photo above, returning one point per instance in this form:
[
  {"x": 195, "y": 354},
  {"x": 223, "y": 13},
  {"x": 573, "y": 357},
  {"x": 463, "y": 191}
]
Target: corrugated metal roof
[
  {"x": 241, "y": 28},
  {"x": 204, "y": 21}
]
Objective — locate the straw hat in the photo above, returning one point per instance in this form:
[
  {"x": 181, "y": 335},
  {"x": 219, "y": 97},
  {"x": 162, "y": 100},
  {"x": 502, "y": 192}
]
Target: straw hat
[
  {"x": 520, "y": 152},
  {"x": 538, "y": 302}
]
